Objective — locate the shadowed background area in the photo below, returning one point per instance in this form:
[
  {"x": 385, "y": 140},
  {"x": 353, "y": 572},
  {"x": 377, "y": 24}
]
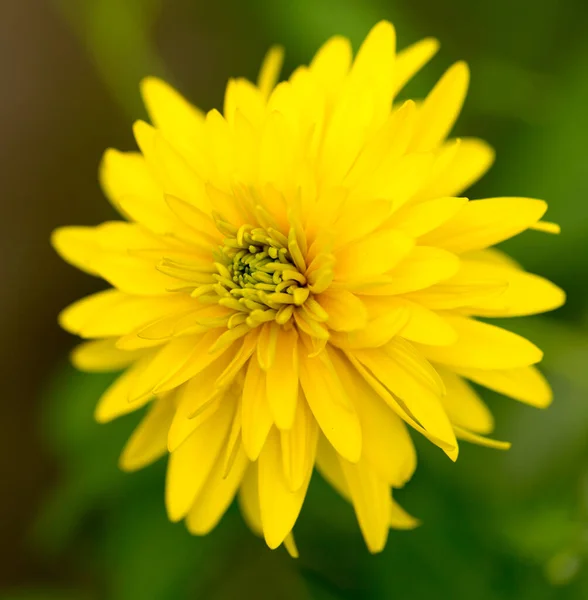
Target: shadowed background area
[{"x": 495, "y": 525}]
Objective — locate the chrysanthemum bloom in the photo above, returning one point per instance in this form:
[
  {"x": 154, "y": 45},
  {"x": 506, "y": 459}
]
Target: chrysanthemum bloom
[{"x": 297, "y": 280}]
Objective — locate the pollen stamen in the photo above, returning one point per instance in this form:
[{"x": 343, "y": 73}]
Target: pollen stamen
[{"x": 261, "y": 274}]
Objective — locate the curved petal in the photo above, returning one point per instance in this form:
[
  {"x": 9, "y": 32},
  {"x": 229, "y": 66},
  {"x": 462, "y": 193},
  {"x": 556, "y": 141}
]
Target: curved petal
[{"x": 483, "y": 346}]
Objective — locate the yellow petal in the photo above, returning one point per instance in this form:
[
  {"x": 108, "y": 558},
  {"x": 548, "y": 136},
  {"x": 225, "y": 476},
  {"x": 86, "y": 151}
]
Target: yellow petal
[
  {"x": 378, "y": 331},
  {"x": 417, "y": 219},
  {"x": 327, "y": 462},
  {"x": 470, "y": 161},
  {"x": 197, "y": 400},
  {"x": 115, "y": 401},
  {"x": 374, "y": 255},
  {"x": 169, "y": 167},
  {"x": 160, "y": 220},
  {"x": 290, "y": 545},
  {"x": 467, "y": 287},
  {"x": 113, "y": 313},
  {"x": 149, "y": 440},
  {"x": 199, "y": 357},
  {"x": 400, "y": 519},
  {"x": 373, "y": 67},
  {"x": 410, "y": 60},
  {"x": 249, "y": 499},
  {"x": 423, "y": 267},
  {"x": 267, "y": 345},
  {"x": 441, "y": 108},
  {"x": 357, "y": 219},
  {"x": 103, "y": 355},
  {"x": 370, "y": 496},
  {"x": 270, "y": 70},
  {"x": 331, "y": 63},
  {"x": 402, "y": 371},
  {"x": 243, "y": 100},
  {"x": 469, "y": 436},
  {"x": 483, "y": 223},
  {"x": 346, "y": 311},
  {"x": 331, "y": 405},
  {"x": 255, "y": 411},
  {"x": 277, "y": 158},
  {"x": 129, "y": 184},
  {"x": 397, "y": 179},
  {"x": 363, "y": 104},
  {"x": 426, "y": 326},
  {"x": 282, "y": 379},
  {"x": 239, "y": 360},
  {"x": 463, "y": 405},
  {"x": 494, "y": 256},
  {"x": 180, "y": 122},
  {"x": 125, "y": 174},
  {"x": 279, "y": 506},
  {"x": 525, "y": 293},
  {"x": 196, "y": 219},
  {"x": 216, "y": 495},
  {"x": 76, "y": 245},
  {"x": 524, "y": 383},
  {"x": 298, "y": 446},
  {"x": 387, "y": 145},
  {"x": 190, "y": 465},
  {"x": 386, "y": 444},
  {"x": 345, "y": 135},
  {"x": 105, "y": 251},
  {"x": 483, "y": 346},
  {"x": 546, "y": 227},
  {"x": 165, "y": 363}
]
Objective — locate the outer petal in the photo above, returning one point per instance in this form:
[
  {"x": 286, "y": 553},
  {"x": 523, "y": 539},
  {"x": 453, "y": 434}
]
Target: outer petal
[
  {"x": 441, "y": 108},
  {"x": 149, "y": 440},
  {"x": 418, "y": 219},
  {"x": 190, "y": 465},
  {"x": 256, "y": 416},
  {"x": 113, "y": 313},
  {"x": 386, "y": 445},
  {"x": 125, "y": 174},
  {"x": 115, "y": 401},
  {"x": 464, "y": 407},
  {"x": 270, "y": 70},
  {"x": 370, "y": 496},
  {"x": 483, "y": 223},
  {"x": 216, "y": 495},
  {"x": 298, "y": 446},
  {"x": 483, "y": 346},
  {"x": 425, "y": 266},
  {"x": 331, "y": 63},
  {"x": 331, "y": 405},
  {"x": 282, "y": 380},
  {"x": 109, "y": 252},
  {"x": 279, "y": 505},
  {"x": 411, "y": 379},
  {"x": 523, "y": 383},
  {"x": 471, "y": 160},
  {"x": 410, "y": 60},
  {"x": 372, "y": 256},
  {"x": 525, "y": 293}
]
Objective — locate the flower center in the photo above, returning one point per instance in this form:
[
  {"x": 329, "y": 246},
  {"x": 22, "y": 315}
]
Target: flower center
[{"x": 258, "y": 276}]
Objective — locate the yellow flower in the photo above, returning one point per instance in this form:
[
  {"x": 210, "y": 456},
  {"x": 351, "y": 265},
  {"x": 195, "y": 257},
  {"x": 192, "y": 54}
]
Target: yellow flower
[{"x": 296, "y": 280}]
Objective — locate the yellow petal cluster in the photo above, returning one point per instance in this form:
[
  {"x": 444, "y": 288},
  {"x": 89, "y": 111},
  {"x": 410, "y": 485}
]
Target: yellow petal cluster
[{"x": 298, "y": 279}]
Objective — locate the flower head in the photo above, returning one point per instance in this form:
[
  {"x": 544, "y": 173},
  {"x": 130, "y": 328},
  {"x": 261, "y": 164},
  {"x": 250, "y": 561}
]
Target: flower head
[{"x": 297, "y": 280}]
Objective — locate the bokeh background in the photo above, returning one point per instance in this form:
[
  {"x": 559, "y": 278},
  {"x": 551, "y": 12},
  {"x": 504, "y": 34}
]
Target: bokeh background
[{"x": 495, "y": 525}]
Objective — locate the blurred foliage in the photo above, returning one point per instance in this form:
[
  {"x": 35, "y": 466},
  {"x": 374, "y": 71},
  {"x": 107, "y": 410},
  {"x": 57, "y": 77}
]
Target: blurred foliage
[
  {"x": 118, "y": 37},
  {"x": 497, "y": 526}
]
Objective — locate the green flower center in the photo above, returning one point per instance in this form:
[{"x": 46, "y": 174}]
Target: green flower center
[{"x": 258, "y": 276}]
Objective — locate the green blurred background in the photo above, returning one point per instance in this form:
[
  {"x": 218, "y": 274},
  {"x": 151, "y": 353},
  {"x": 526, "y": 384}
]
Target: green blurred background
[{"x": 496, "y": 525}]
